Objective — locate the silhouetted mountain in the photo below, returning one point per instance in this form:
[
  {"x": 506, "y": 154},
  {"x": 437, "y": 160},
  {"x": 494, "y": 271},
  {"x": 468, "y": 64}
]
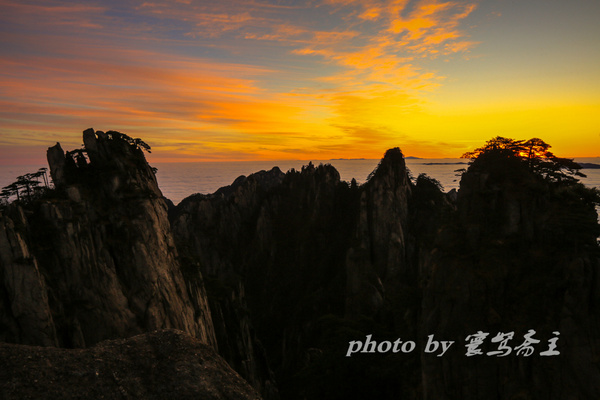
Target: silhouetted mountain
[
  {"x": 589, "y": 166},
  {"x": 297, "y": 266},
  {"x": 315, "y": 263}
]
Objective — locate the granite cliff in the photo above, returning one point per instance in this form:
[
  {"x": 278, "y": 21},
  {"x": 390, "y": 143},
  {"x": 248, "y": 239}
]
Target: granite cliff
[
  {"x": 310, "y": 263},
  {"x": 520, "y": 254},
  {"x": 96, "y": 260},
  {"x": 314, "y": 262}
]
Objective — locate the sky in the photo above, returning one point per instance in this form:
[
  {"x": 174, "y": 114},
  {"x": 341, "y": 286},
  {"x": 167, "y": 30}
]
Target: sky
[{"x": 237, "y": 80}]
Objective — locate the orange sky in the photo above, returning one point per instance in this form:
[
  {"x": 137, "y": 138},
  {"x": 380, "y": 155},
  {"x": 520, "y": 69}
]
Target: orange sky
[{"x": 249, "y": 80}]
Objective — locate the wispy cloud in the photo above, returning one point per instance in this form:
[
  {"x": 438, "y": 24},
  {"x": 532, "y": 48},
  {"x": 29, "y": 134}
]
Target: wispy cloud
[
  {"x": 53, "y": 12},
  {"x": 252, "y": 78},
  {"x": 394, "y": 37}
]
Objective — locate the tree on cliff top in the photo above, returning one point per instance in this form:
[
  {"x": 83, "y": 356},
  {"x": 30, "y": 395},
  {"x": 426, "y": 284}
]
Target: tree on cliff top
[
  {"x": 137, "y": 142},
  {"x": 529, "y": 169},
  {"x": 534, "y": 154},
  {"x": 27, "y": 187}
]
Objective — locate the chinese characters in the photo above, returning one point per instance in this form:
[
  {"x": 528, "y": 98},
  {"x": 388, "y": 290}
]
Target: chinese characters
[{"x": 525, "y": 349}]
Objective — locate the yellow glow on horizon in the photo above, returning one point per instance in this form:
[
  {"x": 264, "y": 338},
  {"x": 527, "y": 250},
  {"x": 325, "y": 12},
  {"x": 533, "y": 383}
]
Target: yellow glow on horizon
[
  {"x": 261, "y": 81},
  {"x": 366, "y": 128}
]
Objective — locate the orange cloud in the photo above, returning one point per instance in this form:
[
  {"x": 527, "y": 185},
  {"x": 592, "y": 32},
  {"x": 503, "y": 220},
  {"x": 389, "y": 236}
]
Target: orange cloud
[
  {"x": 207, "y": 79},
  {"x": 386, "y": 52}
]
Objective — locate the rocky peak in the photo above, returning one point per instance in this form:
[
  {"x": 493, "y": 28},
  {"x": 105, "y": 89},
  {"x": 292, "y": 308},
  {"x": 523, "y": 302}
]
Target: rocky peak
[
  {"x": 519, "y": 254},
  {"x": 263, "y": 179},
  {"x": 391, "y": 166},
  {"x": 383, "y": 219},
  {"x": 503, "y": 201},
  {"x": 110, "y": 164},
  {"x": 101, "y": 260}
]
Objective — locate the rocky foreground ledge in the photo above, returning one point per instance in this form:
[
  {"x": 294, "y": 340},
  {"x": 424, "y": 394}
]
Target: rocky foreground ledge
[{"x": 157, "y": 365}]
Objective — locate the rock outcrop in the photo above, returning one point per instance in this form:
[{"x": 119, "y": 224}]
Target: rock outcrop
[
  {"x": 96, "y": 259},
  {"x": 164, "y": 364},
  {"x": 286, "y": 240},
  {"x": 520, "y": 255}
]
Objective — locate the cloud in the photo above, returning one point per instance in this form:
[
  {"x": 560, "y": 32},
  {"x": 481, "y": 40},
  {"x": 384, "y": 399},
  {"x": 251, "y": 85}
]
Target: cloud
[
  {"x": 396, "y": 35},
  {"x": 249, "y": 77},
  {"x": 52, "y": 12}
]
